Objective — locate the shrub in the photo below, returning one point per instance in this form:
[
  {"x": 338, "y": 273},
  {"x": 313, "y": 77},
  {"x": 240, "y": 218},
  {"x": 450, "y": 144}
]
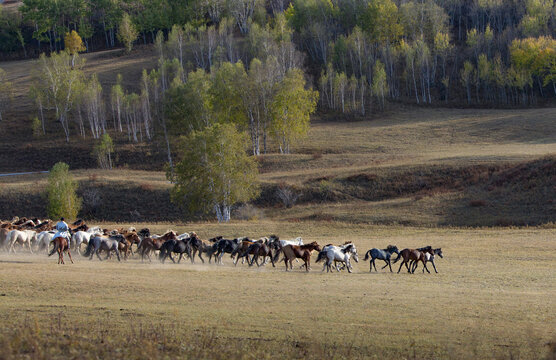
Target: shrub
[
  {"x": 287, "y": 196},
  {"x": 61, "y": 193}
]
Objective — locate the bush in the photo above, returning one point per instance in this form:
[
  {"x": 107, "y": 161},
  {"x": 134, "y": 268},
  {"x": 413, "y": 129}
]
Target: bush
[
  {"x": 287, "y": 196},
  {"x": 61, "y": 193}
]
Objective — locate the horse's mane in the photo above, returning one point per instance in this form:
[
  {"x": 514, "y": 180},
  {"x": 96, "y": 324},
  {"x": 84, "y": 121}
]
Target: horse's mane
[
  {"x": 347, "y": 248},
  {"x": 347, "y": 242}
]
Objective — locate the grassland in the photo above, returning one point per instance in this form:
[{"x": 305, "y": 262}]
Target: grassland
[{"x": 493, "y": 298}]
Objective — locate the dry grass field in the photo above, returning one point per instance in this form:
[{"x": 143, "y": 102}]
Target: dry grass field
[{"x": 494, "y": 297}]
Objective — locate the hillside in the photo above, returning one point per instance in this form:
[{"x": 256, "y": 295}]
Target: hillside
[{"x": 407, "y": 165}]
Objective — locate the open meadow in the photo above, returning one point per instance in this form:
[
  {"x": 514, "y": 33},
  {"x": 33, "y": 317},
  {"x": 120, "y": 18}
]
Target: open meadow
[{"x": 494, "y": 297}]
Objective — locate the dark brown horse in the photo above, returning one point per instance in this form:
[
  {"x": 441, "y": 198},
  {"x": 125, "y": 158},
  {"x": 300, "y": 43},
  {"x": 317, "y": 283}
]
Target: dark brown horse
[
  {"x": 409, "y": 255},
  {"x": 292, "y": 252},
  {"x": 260, "y": 249},
  {"x": 61, "y": 245},
  {"x": 149, "y": 244}
]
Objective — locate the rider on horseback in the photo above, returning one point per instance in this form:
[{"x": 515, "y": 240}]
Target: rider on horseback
[{"x": 63, "y": 231}]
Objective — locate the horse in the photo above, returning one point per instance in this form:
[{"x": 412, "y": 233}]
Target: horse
[
  {"x": 83, "y": 237},
  {"x": 225, "y": 246},
  {"x": 3, "y": 238},
  {"x": 241, "y": 250},
  {"x": 175, "y": 246},
  {"x": 44, "y": 238},
  {"x": 124, "y": 247},
  {"x": 199, "y": 247},
  {"x": 21, "y": 236},
  {"x": 340, "y": 254},
  {"x": 429, "y": 256},
  {"x": 384, "y": 254},
  {"x": 151, "y": 244},
  {"x": 98, "y": 243},
  {"x": 408, "y": 255},
  {"x": 61, "y": 246},
  {"x": 292, "y": 252},
  {"x": 260, "y": 248}
]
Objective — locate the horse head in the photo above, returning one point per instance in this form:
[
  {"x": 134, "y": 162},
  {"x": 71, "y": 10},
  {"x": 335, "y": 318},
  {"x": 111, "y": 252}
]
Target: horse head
[
  {"x": 438, "y": 252},
  {"x": 393, "y": 249}
]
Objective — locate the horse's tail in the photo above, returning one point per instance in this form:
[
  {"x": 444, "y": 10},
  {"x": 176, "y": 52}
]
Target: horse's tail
[
  {"x": 367, "y": 255},
  {"x": 398, "y": 258},
  {"x": 321, "y": 256},
  {"x": 54, "y": 249},
  {"x": 89, "y": 248}
]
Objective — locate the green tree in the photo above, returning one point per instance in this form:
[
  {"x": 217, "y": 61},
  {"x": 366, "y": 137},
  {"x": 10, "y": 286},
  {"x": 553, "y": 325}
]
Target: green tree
[
  {"x": 103, "y": 152},
  {"x": 290, "y": 109},
  {"x": 215, "y": 171},
  {"x": 127, "y": 32},
  {"x": 380, "y": 86},
  {"x": 61, "y": 193},
  {"x": 56, "y": 86}
]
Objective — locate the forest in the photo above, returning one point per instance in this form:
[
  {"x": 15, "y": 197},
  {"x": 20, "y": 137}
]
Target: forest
[{"x": 358, "y": 53}]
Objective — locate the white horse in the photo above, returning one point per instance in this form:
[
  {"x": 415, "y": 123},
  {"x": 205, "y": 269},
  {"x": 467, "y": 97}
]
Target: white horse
[
  {"x": 340, "y": 254},
  {"x": 83, "y": 237},
  {"x": 21, "y": 236},
  {"x": 296, "y": 241},
  {"x": 182, "y": 236},
  {"x": 44, "y": 238}
]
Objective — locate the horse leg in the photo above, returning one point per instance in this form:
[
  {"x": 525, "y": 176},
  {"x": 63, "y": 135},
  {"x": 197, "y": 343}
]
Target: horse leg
[
  {"x": 98, "y": 254},
  {"x": 29, "y": 244},
  {"x": 390, "y": 265},
  {"x": 200, "y": 257},
  {"x": 179, "y": 259},
  {"x": 69, "y": 254},
  {"x": 400, "y": 267},
  {"x": 371, "y": 265},
  {"x": 60, "y": 256},
  {"x": 425, "y": 265},
  {"x": 434, "y": 266}
]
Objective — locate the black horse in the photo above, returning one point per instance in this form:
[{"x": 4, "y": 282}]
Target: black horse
[
  {"x": 384, "y": 254},
  {"x": 175, "y": 246}
]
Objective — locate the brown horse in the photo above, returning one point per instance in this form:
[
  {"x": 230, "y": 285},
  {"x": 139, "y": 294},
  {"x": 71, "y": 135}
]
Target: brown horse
[
  {"x": 149, "y": 244},
  {"x": 261, "y": 249},
  {"x": 409, "y": 255},
  {"x": 240, "y": 251},
  {"x": 292, "y": 252},
  {"x": 61, "y": 245}
]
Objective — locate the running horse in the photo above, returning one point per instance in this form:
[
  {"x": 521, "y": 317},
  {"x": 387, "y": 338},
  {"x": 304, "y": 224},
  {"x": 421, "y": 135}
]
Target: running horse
[
  {"x": 409, "y": 255},
  {"x": 292, "y": 252},
  {"x": 61, "y": 245}
]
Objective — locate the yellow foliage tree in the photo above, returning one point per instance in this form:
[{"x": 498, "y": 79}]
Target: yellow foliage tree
[{"x": 74, "y": 45}]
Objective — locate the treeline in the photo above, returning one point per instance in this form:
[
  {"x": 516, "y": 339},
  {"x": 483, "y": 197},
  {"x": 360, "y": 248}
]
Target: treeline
[{"x": 359, "y": 53}]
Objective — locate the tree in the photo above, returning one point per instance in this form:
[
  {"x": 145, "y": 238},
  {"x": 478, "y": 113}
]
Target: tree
[
  {"x": 290, "y": 109},
  {"x": 61, "y": 193},
  {"x": 56, "y": 86},
  {"x": 215, "y": 171},
  {"x": 74, "y": 45},
  {"x": 6, "y": 92},
  {"x": 103, "y": 152},
  {"x": 467, "y": 74},
  {"x": 380, "y": 86},
  {"x": 127, "y": 32}
]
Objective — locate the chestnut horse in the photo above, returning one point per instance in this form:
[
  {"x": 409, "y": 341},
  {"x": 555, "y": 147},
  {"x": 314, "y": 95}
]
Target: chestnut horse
[
  {"x": 303, "y": 252},
  {"x": 150, "y": 244},
  {"x": 408, "y": 255},
  {"x": 61, "y": 245}
]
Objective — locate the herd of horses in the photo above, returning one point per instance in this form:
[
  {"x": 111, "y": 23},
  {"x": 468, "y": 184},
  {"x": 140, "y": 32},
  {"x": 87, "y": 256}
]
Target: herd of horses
[{"x": 38, "y": 235}]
